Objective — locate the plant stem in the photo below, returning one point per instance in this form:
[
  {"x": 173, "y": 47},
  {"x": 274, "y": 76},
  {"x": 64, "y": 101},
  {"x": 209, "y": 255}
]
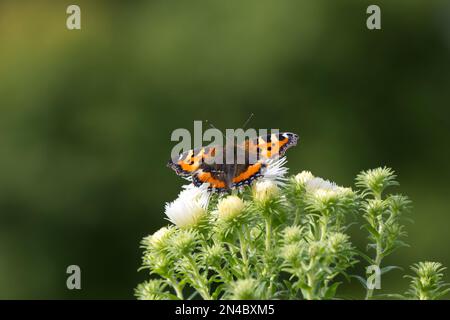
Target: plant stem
[
  {"x": 311, "y": 284},
  {"x": 200, "y": 284},
  {"x": 377, "y": 264},
  {"x": 378, "y": 255},
  {"x": 311, "y": 281},
  {"x": 323, "y": 226},
  {"x": 224, "y": 274},
  {"x": 378, "y": 248},
  {"x": 297, "y": 216},
  {"x": 268, "y": 233},
  {"x": 243, "y": 244},
  {"x": 178, "y": 290},
  {"x": 268, "y": 257}
]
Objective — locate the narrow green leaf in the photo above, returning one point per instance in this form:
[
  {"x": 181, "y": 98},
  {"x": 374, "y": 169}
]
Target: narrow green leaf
[
  {"x": 389, "y": 268},
  {"x": 362, "y": 280}
]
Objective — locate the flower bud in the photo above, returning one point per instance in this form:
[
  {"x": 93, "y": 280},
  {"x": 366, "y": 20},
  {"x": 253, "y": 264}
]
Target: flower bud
[
  {"x": 158, "y": 240},
  {"x": 427, "y": 284},
  {"x": 214, "y": 254},
  {"x": 183, "y": 242},
  {"x": 151, "y": 290},
  {"x": 291, "y": 253},
  {"x": 292, "y": 234},
  {"x": 376, "y": 180},
  {"x": 265, "y": 190},
  {"x": 230, "y": 207},
  {"x": 338, "y": 242},
  {"x": 244, "y": 289},
  {"x": 375, "y": 208},
  {"x": 303, "y": 177}
]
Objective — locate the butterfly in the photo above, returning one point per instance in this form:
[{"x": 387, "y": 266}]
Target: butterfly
[{"x": 200, "y": 166}]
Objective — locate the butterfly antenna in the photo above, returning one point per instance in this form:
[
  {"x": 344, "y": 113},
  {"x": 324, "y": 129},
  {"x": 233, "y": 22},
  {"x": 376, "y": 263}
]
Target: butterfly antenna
[{"x": 248, "y": 120}]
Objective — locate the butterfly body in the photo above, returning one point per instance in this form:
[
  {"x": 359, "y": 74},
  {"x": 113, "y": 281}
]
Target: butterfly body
[{"x": 248, "y": 161}]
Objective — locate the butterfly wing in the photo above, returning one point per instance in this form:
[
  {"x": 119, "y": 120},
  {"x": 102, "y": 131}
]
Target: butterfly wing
[
  {"x": 190, "y": 161},
  {"x": 214, "y": 175},
  {"x": 258, "y": 151},
  {"x": 272, "y": 146},
  {"x": 245, "y": 174},
  {"x": 199, "y": 164}
]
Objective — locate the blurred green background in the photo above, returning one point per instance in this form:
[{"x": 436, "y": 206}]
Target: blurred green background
[{"x": 86, "y": 118}]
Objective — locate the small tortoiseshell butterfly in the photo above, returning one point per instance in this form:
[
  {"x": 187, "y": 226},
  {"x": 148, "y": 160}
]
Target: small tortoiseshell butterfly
[{"x": 199, "y": 163}]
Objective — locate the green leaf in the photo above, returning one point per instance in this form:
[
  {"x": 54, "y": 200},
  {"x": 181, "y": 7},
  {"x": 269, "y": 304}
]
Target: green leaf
[
  {"x": 389, "y": 268},
  {"x": 442, "y": 293},
  {"x": 362, "y": 280},
  {"x": 331, "y": 291},
  {"x": 171, "y": 296},
  {"x": 218, "y": 290},
  {"x": 303, "y": 286},
  {"x": 193, "y": 295},
  {"x": 372, "y": 231},
  {"x": 365, "y": 257},
  {"x": 390, "y": 296}
]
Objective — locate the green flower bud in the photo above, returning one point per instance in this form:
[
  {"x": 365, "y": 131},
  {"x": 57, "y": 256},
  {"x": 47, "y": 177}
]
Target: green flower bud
[
  {"x": 214, "y": 254},
  {"x": 338, "y": 242},
  {"x": 292, "y": 234},
  {"x": 375, "y": 207},
  {"x": 291, "y": 253},
  {"x": 244, "y": 289},
  {"x": 398, "y": 204},
  {"x": 151, "y": 290},
  {"x": 375, "y": 181},
  {"x": 427, "y": 284},
  {"x": 159, "y": 239},
  {"x": 316, "y": 249},
  {"x": 183, "y": 242}
]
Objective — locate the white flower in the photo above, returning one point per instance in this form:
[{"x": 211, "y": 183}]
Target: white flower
[
  {"x": 275, "y": 171},
  {"x": 316, "y": 184},
  {"x": 199, "y": 194},
  {"x": 324, "y": 189},
  {"x": 303, "y": 177},
  {"x": 190, "y": 206},
  {"x": 265, "y": 190},
  {"x": 230, "y": 207}
]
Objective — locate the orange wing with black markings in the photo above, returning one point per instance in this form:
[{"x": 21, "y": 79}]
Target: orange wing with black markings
[
  {"x": 246, "y": 174},
  {"x": 216, "y": 179},
  {"x": 190, "y": 161},
  {"x": 272, "y": 145}
]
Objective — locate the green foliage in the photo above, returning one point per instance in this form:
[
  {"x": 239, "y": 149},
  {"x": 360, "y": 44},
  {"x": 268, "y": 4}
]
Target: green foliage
[
  {"x": 427, "y": 283},
  {"x": 382, "y": 216},
  {"x": 287, "y": 241}
]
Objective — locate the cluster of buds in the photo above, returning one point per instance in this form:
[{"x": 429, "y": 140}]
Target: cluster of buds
[{"x": 427, "y": 283}]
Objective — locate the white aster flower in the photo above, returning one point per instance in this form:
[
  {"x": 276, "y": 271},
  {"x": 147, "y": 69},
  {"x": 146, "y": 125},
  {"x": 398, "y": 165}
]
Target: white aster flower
[
  {"x": 316, "y": 184},
  {"x": 303, "y": 177},
  {"x": 199, "y": 194},
  {"x": 190, "y": 206},
  {"x": 265, "y": 190},
  {"x": 325, "y": 189},
  {"x": 275, "y": 171},
  {"x": 230, "y": 207}
]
